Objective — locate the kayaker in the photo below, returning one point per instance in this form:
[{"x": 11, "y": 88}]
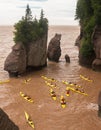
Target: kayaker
[
  {"x": 53, "y": 94},
  {"x": 67, "y": 90}
]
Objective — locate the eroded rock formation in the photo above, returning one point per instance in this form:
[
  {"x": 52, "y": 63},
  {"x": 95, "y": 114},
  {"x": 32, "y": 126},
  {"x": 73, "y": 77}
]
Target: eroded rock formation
[
  {"x": 6, "y": 123},
  {"x": 54, "y": 49},
  {"x": 24, "y": 56},
  {"x": 16, "y": 61}
]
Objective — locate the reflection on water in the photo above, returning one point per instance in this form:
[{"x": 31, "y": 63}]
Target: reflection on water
[{"x": 80, "y": 112}]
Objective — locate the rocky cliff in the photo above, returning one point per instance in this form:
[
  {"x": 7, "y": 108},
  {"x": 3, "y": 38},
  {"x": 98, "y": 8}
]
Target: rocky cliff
[
  {"x": 6, "y": 123},
  {"x": 93, "y": 61},
  {"x": 96, "y": 40},
  {"x": 24, "y": 56}
]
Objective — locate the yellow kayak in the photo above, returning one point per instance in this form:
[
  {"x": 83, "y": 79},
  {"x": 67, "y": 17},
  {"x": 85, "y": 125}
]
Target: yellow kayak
[
  {"x": 30, "y": 122},
  {"x": 27, "y": 80},
  {"x": 68, "y": 83},
  {"x": 78, "y": 91},
  {"x": 85, "y": 78},
  {"x": 71, "y": 84},
  {"x": 63, "y": 102},
  {"x": 5, "y": 81},
  {"x": 26, "y": 97},
  {"x": 67, "y": 92},
  {"x": 48, "y": 79},
  {"x": 50, "y": 85},
  {"x": 53, "y": 95}
]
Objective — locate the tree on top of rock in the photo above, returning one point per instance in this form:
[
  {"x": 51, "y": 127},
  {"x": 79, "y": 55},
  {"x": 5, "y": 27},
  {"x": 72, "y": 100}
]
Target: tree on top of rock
[
  {"x": 28, "y": 15},
  {"x": 28, "y": 30}
]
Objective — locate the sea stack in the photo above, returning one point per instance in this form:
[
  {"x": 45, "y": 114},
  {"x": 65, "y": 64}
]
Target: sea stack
[
  {"x": 30, "y": 49},
  {"x": 54, "y": 49}
]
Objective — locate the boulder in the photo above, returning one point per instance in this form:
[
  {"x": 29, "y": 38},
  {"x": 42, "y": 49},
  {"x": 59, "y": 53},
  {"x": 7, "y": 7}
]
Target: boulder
[
  {"x": 96, "y": 65},
  {"x": 67, "y": 58},
  {"x": 54, "y": 50},
  {"x": 6, "y": 123},
  {"x": 15, "y": 63}
]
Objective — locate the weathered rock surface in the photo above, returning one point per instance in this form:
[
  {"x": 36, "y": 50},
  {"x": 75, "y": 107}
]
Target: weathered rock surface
[
  {"x": 78, "y": 39},
  {"x": 24, "y": 56},
  {"x": 54, "y": 50},
  {"x": 6, "y": 123},
  {"x": 37, "y": 53},
  {"x": 96, "y": 40},
  {"x": 67, "y": 58},
  {"x": 16, "y": 60}
]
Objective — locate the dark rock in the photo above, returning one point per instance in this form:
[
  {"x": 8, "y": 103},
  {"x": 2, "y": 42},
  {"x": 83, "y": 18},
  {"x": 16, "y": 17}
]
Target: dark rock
[
  {"x": 67, "y": 58},
  {"x": 99, "y": 104},
  {"x": 6, "y": 123},
  {"x": 54, "y": 50}
]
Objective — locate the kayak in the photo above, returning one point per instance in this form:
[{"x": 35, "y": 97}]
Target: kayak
[
  {"x": 78, "y": 91},
  {"x": 85, "y": 78},
  {"x": 67, "y": 92},
  {"x": 26, "y": 97},
  {"x": 27, "y": 80},
  {"x": 28, "y": 119},
  {"x": 71, "y": 84},
  {"x": 49, "y": 79},
  {"x": 6, "y": 81},
  {"x": 68, "y": 83},
  {"x": 63, "y": 102},
  {"x": 53, "y": 95},
  {"x": 50, "y": 85}
]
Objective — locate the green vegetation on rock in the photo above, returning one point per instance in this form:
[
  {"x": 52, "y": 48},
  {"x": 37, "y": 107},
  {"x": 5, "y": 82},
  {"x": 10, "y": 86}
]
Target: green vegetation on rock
[
  {"x": 28, "y": 29},
  {"x": 88, "y": 12}
]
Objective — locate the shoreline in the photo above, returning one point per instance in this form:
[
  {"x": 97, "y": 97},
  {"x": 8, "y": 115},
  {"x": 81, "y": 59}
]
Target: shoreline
[{"x": 49, "y": 25}]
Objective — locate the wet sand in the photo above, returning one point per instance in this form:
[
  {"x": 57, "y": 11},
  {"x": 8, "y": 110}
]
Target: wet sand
[{"x": 80, "y": 112}]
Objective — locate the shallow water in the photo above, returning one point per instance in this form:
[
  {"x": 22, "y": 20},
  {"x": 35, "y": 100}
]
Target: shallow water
[{"x": 80, "y": 112}]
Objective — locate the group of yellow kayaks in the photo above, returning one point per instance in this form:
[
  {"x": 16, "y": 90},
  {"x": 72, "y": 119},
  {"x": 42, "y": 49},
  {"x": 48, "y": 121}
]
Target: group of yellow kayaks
[
  {"x": 51, "y": 82},
  {"x": 30, "y": 100}
]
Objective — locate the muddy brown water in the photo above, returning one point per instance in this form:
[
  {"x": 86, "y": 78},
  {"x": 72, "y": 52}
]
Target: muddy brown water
[{"x": 80, "y": 112}]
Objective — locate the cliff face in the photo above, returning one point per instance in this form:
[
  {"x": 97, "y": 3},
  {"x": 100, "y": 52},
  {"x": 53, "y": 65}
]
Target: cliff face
[
  {"x": 24, "y": 56},
  {"x": 37, "y": 56},
  {"x": 93, "y": 61},
  {"x": 96, "y": 40}
]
